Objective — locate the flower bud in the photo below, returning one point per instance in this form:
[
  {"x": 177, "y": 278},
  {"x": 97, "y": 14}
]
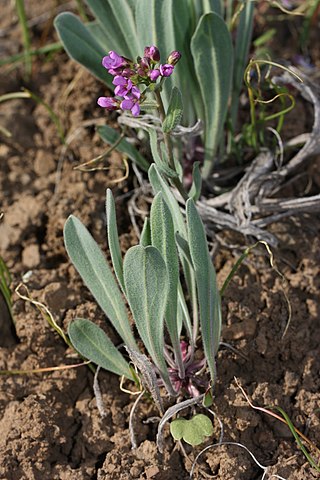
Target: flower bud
[
  {"x": 166, "y": 70},
  {"x": 174, "y": 57},
  {"x": 152, "y": 53},
  {"x": 108, "y": 102}
]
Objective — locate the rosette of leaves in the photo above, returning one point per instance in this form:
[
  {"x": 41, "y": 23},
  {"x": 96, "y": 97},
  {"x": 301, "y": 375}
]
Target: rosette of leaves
[
  {"x": 173, "y": 252},
  {"x": 210, "y": 76}
]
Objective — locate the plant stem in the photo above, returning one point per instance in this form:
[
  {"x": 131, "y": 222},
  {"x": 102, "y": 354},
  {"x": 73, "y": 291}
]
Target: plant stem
[{"x": 167, "y": 141}]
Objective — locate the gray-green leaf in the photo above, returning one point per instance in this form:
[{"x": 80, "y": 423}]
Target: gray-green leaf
[
  {"x": 80, "y": 44},
  {"x": 92, "y": 342},
  {"x": 208, "y": 294},
  {"x": 212, "y": 51},
  {"x": 163, "y": 238},
  {"x": 89, "y": 261},
  {"x": 146, "y": 284},
  {"x": 175, "y": 111},
  {"x": 195, "y": 190},
  {"x": 113, "y": 239}
]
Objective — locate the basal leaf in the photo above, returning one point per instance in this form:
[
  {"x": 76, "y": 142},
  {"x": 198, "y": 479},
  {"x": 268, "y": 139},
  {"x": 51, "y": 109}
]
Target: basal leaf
[
  {"x": 208, "y": 294},
  {"x": 212, "y": 51},
  {"x": 80, "y": 44},
  {"x": 146, "y": 284},
  {"x": 89, "y": 261},
  {"x": 242, "y": 44},
  {"x": 115, "y": 16},
  {"x": 159, "y": 185},
  {"x": 92, "y": 342},
  {"x": 113, "y": 238},
  {"x": 163, "y": 238}
]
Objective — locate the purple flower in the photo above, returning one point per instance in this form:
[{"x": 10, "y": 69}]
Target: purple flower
[
  {"x": 131, "y": 103},
  {"x": 108, "y": 102},
  {"x": 154, "y": 74},
  {"x": 113, "y": 61},
  {"x": 152, "y": 53},
  {"x": 174, "y": 57},
  {"x": 166, "y": 70},
  {"x": 123, "y": 85}
]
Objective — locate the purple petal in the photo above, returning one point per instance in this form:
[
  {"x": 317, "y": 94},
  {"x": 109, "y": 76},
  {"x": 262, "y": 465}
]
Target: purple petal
[
  {"x": 154, "y": 74},
  {"x": 107, "y": 62},
  {"x": 113, "y": 60},
  {"x": 107, "y": 102},
  {"x": 135, "y": 110},
  {"x": 120, "y": 91},
  {"x": 127, "y": 104},
  {"x": 119, "y": 80},
  {"x": 117, "y": 60},
  {"x": 136, "y": 92}
]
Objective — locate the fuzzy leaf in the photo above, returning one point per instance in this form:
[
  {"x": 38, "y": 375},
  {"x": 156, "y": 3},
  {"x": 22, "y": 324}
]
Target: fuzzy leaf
[
  {"x": 111, "y": 136},
  {"x": 92, "y": 342},
  {"x": 208, "y": 294},
  {"x": 212, "y": 50},
  {"x": 158, "y": 24},
  {"x": 117, "y": 21},
  {"x": 113, "y": 238},
  {"x": 163, "y": 238},
  {"x": 193, "y": 431},
  {"x": 159, "y": 185},
  {"x": 195, "y": 190},
  {"x": 146, "y": 284},
  {"x": 175, "y": 111},
  {"x": 242, "y": 45},
  {"x": 80, "y": 44},
  {"x": 89, "y": 261},
  {"x": 145, "y": 238},
  {"x": 160, "y": 160}
]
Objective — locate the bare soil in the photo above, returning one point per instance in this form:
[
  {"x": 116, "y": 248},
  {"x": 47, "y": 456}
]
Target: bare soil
[{"x": 49, "y": 422}]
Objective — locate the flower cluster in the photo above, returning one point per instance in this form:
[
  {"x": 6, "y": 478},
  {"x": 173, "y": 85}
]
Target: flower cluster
[{"x": 128, "y": 75}]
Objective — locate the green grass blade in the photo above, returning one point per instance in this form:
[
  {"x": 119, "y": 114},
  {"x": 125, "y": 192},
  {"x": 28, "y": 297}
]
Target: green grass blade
[
  {"x": 5, "y": 281},
  {"x": 111, "y": 136},
  {"x": 51, "y": 48},
  {"x": 25, "y": 36}
]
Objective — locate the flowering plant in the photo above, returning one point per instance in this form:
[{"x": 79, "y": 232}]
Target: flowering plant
[
  {"x": 128, "y": 75},
  {"x": 168, "y": 318},
  {"x": 211, "y": 75}
]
